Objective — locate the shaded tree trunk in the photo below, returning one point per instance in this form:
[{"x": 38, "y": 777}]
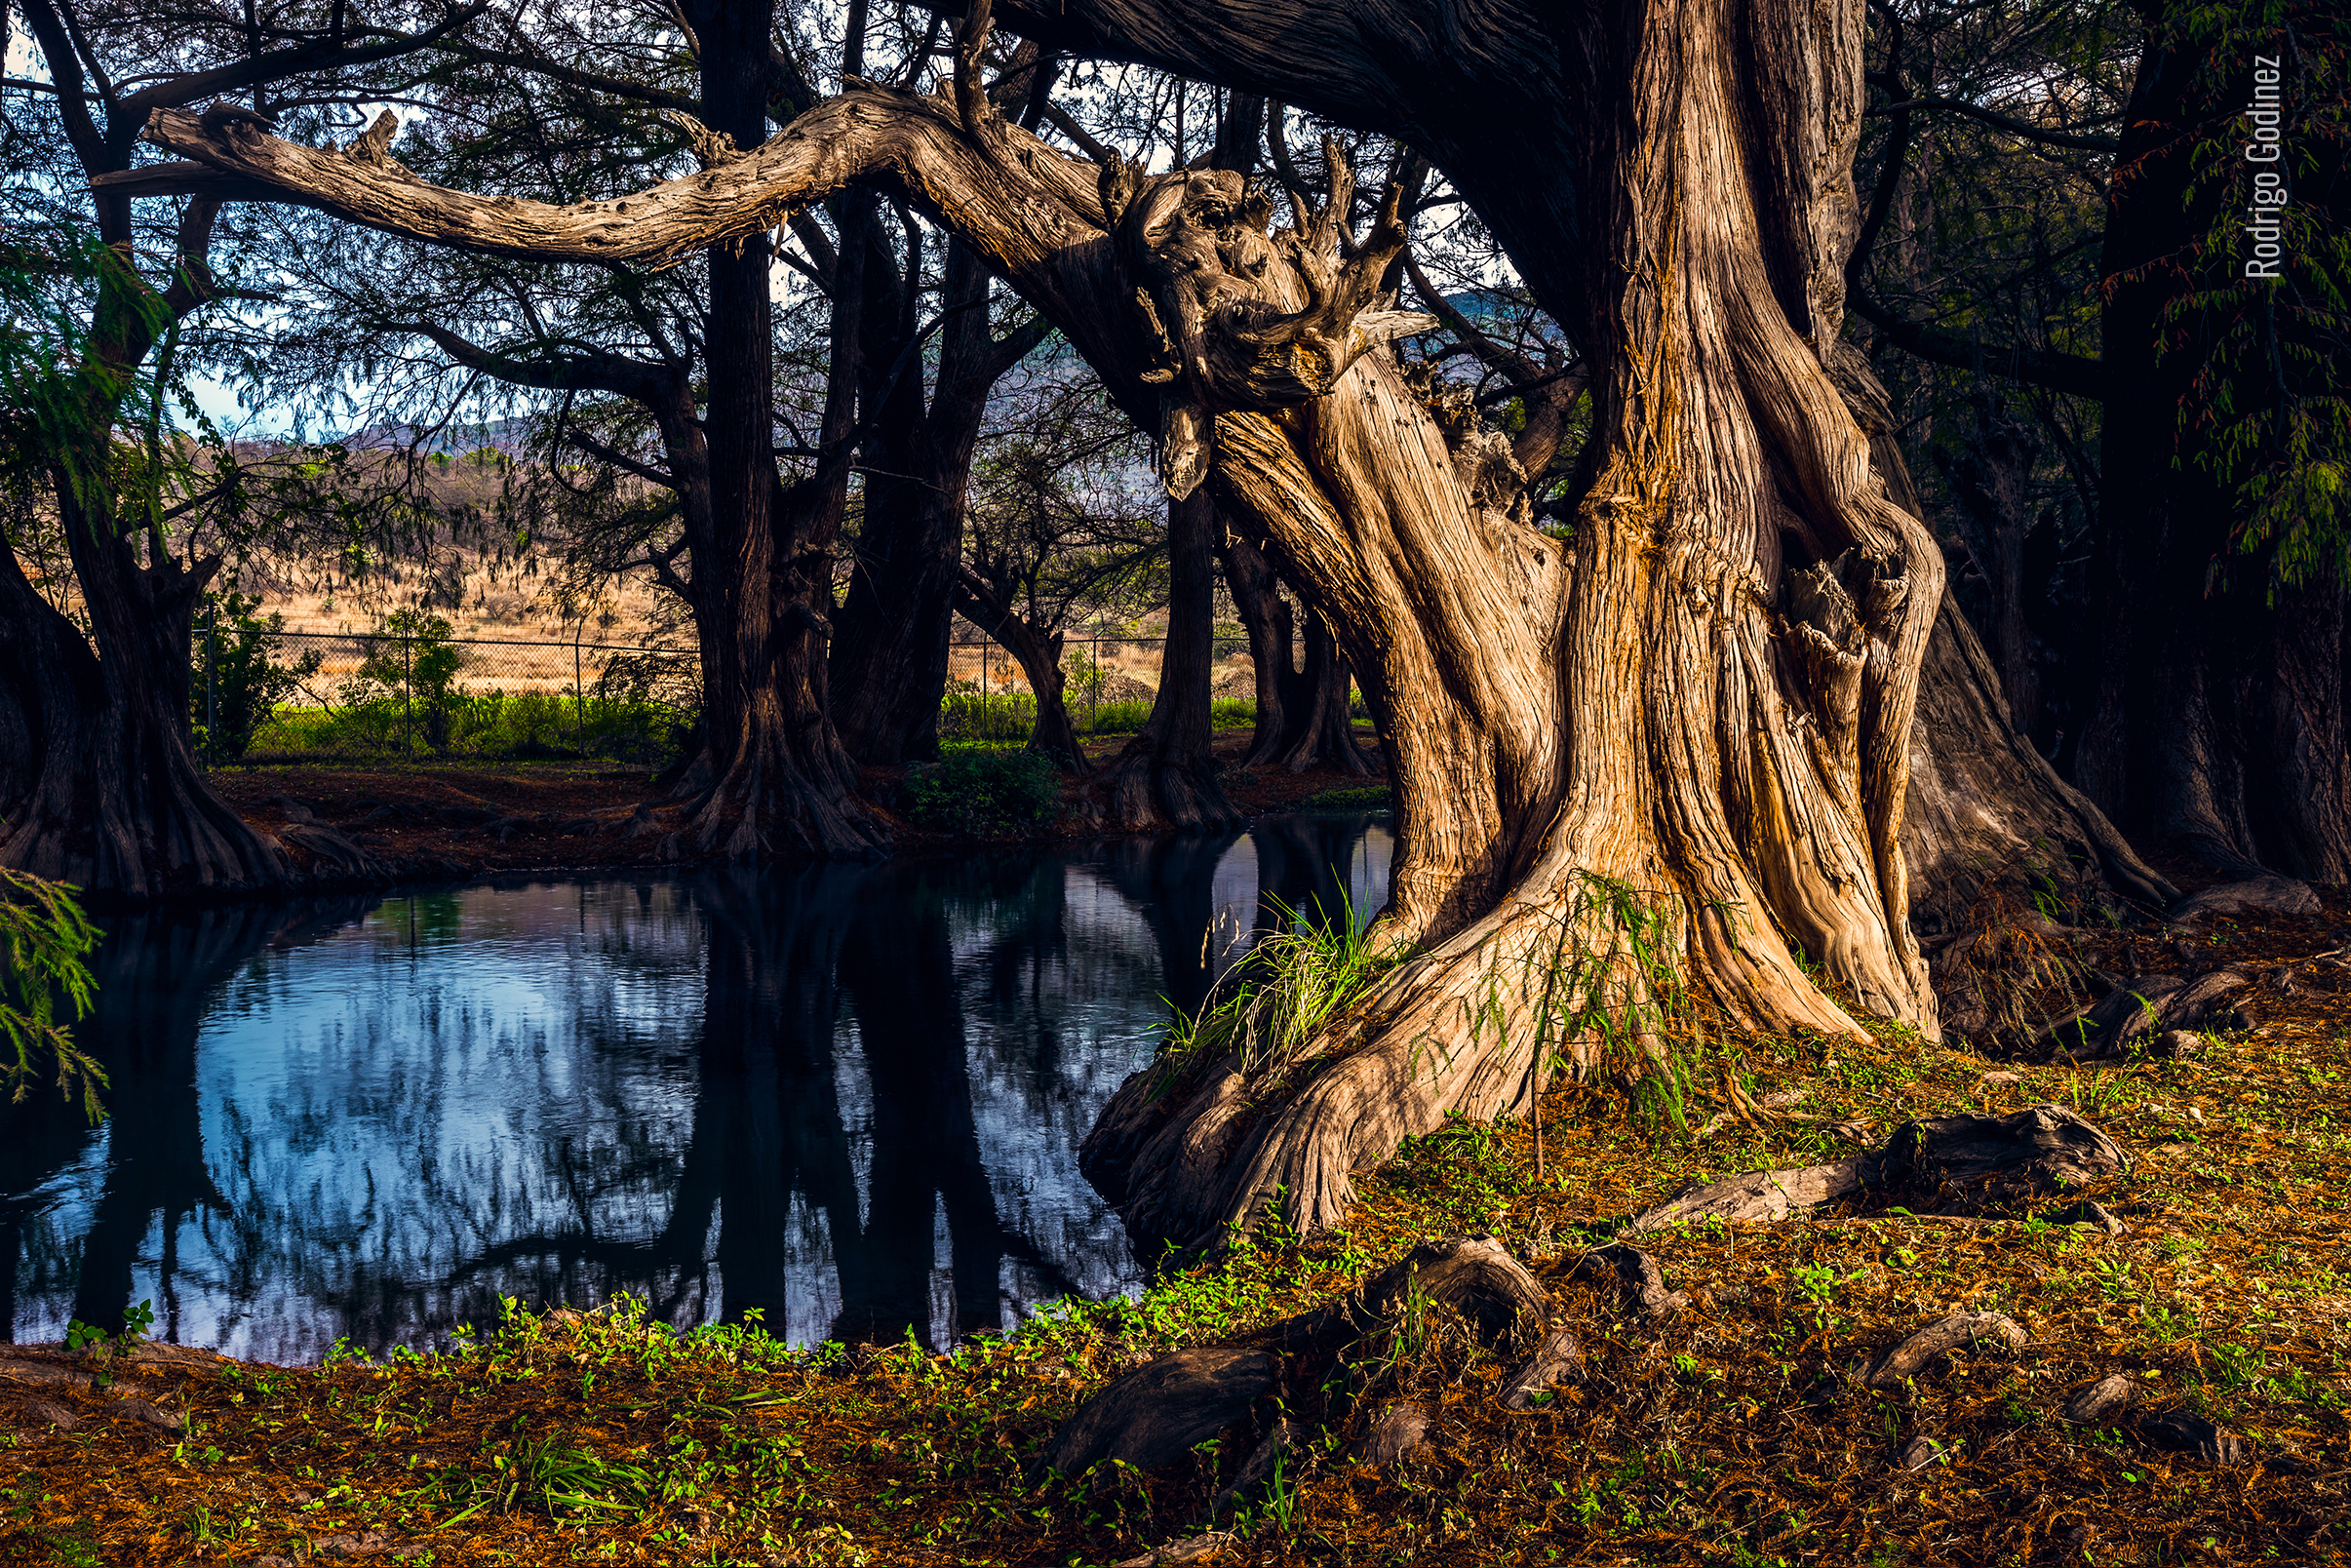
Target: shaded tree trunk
[
  {"x": 1164, "y": 779},
  {"x": 1038, "y": 654},
  {"x": 772, "y": 775},
  {"x": 1989, "y": 480},
  {"x": 1302, "y": 718},
  {"x": 98, "y": 782}
]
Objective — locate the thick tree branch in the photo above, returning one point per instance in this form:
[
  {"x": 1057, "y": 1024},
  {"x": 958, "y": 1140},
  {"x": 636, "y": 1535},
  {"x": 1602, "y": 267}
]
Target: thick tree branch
[
  {"x": 619, "y": 459},
  {"x": 839, "y": 141},
  {"x": 571, "y": 76},
  {"x": 601, "y": 373}
]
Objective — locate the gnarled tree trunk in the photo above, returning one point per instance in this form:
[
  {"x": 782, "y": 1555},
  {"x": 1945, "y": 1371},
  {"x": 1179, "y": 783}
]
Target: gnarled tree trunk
[
  {"x": 1678, "y": 742},
  {"x": 98, "y": 783}
]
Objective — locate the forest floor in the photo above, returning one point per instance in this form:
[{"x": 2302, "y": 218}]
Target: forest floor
[
  {"x": 1738, "y": 1430},
  {"x": 430, "y": 821}
]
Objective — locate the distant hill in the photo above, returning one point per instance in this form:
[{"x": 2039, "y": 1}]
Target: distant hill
[{"x": 502, "y": 435}]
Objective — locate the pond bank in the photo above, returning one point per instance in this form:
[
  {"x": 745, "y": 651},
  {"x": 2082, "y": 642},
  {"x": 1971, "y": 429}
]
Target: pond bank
[
  {"x": 1744, "y": 1430},
  {"x": 443, "y": 822}
]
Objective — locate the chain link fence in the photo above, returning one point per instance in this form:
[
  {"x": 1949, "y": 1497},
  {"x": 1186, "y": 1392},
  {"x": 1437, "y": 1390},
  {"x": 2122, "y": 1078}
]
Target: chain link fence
[{"x": 261, "y": 696}]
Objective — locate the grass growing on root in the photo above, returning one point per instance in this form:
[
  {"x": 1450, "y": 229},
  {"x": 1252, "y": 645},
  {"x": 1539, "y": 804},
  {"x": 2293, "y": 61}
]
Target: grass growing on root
[{"x": 1737, "y": 1437}]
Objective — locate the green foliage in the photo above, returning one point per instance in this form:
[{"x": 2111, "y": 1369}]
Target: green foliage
[
  {"x": 1360, "y": 798},
  {"x": 1006, "y": 718},
  {"x": 1293, "y": 982},
  {"x": 43, "y": 937},
  {"x": 1615, "y": 978},
  {"x": 415, "y": 658},
  {"x": 984, "y": 794},
  {"x": 1117, "y": 719},
  {"x": 240, "y": 676},
  {"x": 137, "y": 1321},
  {"x": 1232, "y": 712}
]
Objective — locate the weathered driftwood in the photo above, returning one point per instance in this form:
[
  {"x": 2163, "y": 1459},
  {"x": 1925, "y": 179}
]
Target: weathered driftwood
[
  {"x": 1191, "y": 1548},
  {"x": 1399, "y": 1430},
  {"x": 1559, "y": 1359},
  {"x": 1760, "y": 1195},
  {"x": 1969, "y": 1163},
  {"x": 2143, "y": 1010},
  {"x": 1476, "y": 1278},
  {"x": 1914, "y": 1355},
  {"x": 1963, "y": 1162},
  {"x": 2185, "y": 1432},
  {"x": 2101, "y": 1403},
  {"x": 1636, "y": 1276},
  {"x": 1162, "y": 1409},
  {"x": 2256, "y": 895}
]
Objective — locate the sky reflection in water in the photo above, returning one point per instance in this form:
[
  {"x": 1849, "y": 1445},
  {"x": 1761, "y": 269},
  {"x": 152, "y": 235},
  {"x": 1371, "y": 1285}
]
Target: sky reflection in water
[{"x": 849, "y": 1097}]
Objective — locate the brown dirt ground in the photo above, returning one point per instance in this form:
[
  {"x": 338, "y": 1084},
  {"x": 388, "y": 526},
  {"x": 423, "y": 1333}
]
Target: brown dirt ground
[{"x": 429, "y": 822}]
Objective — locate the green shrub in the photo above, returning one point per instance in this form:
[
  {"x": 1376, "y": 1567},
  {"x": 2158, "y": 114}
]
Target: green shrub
[
  {"x": 1362, "y": 798},
  {"x": 1230, "y": 713},
  {"x": 1117, "y": 719},
  {"x": 984, "y": 794},
  {"x": 1003, "y": 717},
  {"x": 238, "y": 678}
]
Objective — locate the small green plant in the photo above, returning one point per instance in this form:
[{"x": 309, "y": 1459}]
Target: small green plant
[
  {"x": 999, "y": 718},
  {"x": 1232, "y": 712},
  {"x": 241, "y": 675},
  {"x": 43, "y": 938},
  {"x": 1294, "y": 981},
  {"x": 1361, "y": 798},
  {"x": 984, "y": 794},
  {"x": 137, "y": 1321},
  {"x": 1117, "y": 718}
]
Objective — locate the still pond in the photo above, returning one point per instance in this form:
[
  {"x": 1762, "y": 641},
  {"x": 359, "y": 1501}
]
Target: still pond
[{"x": 848, "y": 1098}]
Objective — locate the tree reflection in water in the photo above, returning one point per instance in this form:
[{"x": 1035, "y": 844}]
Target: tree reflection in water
[{"x": 846, "y": 1097}]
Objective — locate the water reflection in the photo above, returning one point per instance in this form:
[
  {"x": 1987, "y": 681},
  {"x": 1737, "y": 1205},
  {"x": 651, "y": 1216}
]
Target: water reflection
[{"x": 847, "y": 1098}]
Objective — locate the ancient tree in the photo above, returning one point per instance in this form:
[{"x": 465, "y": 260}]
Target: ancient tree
[{"x": 1691, "y": 716}]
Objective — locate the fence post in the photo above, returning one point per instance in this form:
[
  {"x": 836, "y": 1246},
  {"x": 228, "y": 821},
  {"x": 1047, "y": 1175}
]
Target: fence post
[
  {"x": 579, "y": 697},
  {"x": 211, "y": 695},
  {"x": 407, "y": 699}
]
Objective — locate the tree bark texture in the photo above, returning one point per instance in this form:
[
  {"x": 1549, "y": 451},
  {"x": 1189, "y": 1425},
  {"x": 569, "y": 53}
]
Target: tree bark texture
[
  {"x": 2213, "y": 720},
  {"x": 772, "y": 774},
  {"x": 98, "y": 780},
  {"x": 1703, "y": 702},
  {"x": 99, "y": 784},
  {"x": 1302, "y": 719}
]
